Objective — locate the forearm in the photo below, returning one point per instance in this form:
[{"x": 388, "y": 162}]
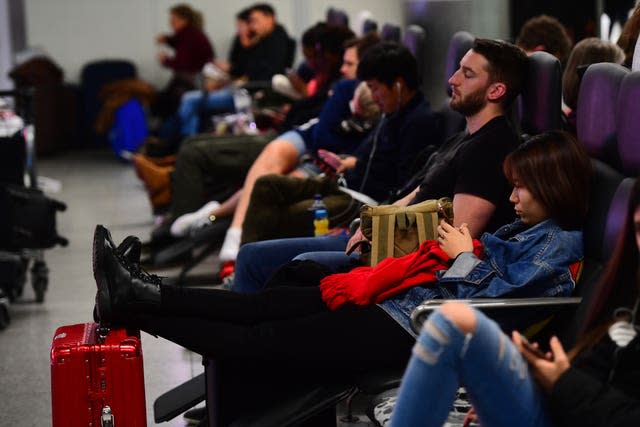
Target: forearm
[
  {"x": 406, "y": 200},
  {"x": 223, "y": 65}
]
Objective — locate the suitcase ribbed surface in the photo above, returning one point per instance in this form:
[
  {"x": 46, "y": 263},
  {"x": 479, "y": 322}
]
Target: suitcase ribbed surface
[{"x": 90, "y": 376}]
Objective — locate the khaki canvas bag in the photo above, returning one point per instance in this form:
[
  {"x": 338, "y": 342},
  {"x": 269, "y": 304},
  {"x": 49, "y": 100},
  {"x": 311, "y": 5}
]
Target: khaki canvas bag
[{"x": 397, "y": 231}]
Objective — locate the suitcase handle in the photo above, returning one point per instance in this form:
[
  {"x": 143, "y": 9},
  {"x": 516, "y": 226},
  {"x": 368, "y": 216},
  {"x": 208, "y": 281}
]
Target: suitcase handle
[{"x": 106, "y": 419}]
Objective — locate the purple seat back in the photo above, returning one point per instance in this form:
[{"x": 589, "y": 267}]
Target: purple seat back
[
  {"x": 414, "y": 40},
  {"x": 460, "y": 43},
  {"x": 628, "y": 123},
  {"x": 452, "y": 121},
  {"x": 337, "y": 17},
  {"x": 390, "y": 33},
  {"x": 596, "y": 110},
  {"x": 369, "y": 26},
  {"x": 541, "y": 98}
]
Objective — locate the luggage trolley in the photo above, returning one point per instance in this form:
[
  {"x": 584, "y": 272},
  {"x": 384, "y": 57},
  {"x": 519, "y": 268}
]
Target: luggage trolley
[{"x": 19, "y": 172}]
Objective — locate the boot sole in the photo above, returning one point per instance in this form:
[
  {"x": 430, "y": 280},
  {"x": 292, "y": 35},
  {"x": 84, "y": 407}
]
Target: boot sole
[{"x": 103, "y": 296}]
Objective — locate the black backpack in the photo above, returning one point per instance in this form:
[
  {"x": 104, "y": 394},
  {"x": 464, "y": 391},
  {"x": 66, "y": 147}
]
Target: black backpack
[{"x": 28, "y": 219}]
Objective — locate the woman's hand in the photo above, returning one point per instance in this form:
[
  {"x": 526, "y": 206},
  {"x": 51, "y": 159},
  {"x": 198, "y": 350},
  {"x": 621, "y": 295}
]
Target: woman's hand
[
  {"x": 357, "y": 236},
  {"x": 161, "y": 38},
  {"x": 453, "y": 241},
  {"x": 546, "y": 370},
  {"x": 347, "y": 163}
]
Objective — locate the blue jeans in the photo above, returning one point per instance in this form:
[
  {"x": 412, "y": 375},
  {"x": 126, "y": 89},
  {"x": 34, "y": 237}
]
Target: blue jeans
[
  {"x": 193, "y": 104},
  {"x": 257, "y": 261},
  {"x": 486, "y": 362}
]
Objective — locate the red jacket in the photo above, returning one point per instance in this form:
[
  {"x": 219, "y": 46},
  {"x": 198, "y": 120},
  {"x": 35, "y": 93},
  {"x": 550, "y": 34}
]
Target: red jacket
[
  {"x": 192, "y": 50},
  {"x": 368, "y": 285}
]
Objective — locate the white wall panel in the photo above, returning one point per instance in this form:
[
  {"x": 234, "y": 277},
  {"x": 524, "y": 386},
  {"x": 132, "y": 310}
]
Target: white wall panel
[{"x": 75, "y": 32}]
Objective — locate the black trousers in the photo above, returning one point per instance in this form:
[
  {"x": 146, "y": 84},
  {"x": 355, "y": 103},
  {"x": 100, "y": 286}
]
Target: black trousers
[{"x": 270, "y": 343}]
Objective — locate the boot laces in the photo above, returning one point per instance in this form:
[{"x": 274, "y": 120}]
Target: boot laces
[{"x": 138, "y": 272}]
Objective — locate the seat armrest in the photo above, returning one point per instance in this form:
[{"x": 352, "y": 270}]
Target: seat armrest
[
  {"x": 360, "y": 197},
  {"x": 179, "y": 399},
  {"x": 419, "y": 315}
]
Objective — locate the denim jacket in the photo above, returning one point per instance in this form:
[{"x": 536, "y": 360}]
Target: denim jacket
[{"x": 518, "y": 262}]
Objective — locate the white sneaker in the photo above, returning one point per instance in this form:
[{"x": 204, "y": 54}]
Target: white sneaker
[{"x": 186, "y": 223}]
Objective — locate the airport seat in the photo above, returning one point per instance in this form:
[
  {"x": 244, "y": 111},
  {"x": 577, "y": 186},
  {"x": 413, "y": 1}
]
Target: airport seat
[
  {"x": 337, "y": 17},
  {"x": 369, "y": 26},
  {"x": 628, "y": 124},
  {"x": 93, "y": 77},
  {"x": 390, "y": 33},
  {"x": 596, "y": 111},
  {"x": 539, "y": 105},
  {"x": 460, "y": 43},
  {"x": 414, "y": 40}
]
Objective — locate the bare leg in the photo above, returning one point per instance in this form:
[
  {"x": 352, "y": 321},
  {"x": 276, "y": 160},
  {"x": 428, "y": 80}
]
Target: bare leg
[
  {"x": 228, "y": 206},
  {"x": 278, "y": 157}
]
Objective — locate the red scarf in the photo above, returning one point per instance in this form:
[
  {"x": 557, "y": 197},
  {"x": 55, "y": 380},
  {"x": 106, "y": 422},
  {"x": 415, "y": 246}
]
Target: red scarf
[{"x": 368, "y": 285}]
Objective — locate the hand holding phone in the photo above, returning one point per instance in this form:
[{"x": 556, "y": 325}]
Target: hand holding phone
[
  {"x": 534, "y": 349},
  {"x": 545, "y": 368},
  {"x": 330, "y": 159}
]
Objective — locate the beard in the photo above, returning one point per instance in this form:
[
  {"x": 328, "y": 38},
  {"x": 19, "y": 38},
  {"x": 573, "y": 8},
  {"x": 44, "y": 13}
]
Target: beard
[{"x": 470, "y": 104}]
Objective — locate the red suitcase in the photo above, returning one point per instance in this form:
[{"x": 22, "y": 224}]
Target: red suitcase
[{"x": 96, "y": 382}]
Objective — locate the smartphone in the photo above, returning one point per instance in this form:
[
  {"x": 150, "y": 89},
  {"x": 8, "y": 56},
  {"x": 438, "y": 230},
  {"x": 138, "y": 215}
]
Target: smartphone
[
  {"x": 329, "y": 159},
  {"x": 531, "y": 349}
]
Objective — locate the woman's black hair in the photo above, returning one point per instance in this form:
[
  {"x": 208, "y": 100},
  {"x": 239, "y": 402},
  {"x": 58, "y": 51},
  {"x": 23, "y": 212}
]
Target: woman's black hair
[{"x": 557, "y": 172}]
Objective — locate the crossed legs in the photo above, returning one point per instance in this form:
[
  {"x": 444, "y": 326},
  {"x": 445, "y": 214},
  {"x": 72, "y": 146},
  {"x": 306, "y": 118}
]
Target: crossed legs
[
  {"x": 278, "y": 157},
  {"x": 459, "y": 345}
]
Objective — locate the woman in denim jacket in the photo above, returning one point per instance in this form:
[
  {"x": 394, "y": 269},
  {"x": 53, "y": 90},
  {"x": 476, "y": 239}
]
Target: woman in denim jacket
[
  {"x": 510, "y": 383},
  {"x": 290, "y": 336},
  {"x": 530, "y": 257}
]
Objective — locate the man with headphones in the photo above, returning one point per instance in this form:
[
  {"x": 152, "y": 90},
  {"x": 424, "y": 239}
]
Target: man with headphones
[
  {"x": 384, "y": 162},
  {"x": 387, "y": 159}
]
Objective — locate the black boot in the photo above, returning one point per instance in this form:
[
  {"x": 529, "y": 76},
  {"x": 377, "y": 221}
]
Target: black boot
[
  {"x": 130, "y": 249},
  {"x": 122, "y": 284}
]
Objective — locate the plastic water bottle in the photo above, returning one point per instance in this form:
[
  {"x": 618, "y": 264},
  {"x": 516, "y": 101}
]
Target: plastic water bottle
[
  {"x": 320, "y": 216},
  {"x": 244, "y": 110},
  {"x": 321, "y": 222}
]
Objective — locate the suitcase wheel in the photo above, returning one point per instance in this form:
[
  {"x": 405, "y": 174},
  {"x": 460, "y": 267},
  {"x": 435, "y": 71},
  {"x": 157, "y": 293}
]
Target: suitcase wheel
[
  {"x": 4, "y": 315},
  {"x": 19, "y": 289},
  {"x": 39, "y": 280}
]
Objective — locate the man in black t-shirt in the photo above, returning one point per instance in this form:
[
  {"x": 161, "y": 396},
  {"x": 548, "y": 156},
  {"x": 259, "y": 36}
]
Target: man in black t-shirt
[
  {"x": 272, "y": 51},
  {"x": 468, "y": 167}
]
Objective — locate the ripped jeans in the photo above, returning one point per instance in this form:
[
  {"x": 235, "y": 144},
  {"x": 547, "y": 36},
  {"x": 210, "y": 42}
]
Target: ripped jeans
[{"x": 486, "y": 363}]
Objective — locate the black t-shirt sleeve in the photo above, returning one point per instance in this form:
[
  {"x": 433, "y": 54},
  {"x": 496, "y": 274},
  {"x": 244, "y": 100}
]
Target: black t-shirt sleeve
[
  {"x": 422, "y": 131},
  {"x": 480, "y": 172}
]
